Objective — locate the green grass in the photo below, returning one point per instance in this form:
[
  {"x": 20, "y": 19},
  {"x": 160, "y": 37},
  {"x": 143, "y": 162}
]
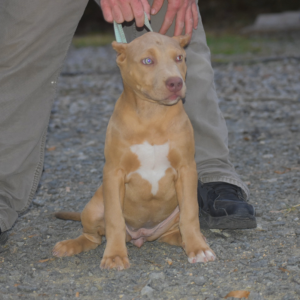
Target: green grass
[
  {"x": 225, "y": 43},
  {"x": 232, "y": 44},
  {"x": 93, "y": 40}
]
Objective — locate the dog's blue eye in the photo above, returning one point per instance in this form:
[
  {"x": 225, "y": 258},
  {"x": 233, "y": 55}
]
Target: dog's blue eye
[
  {"x": 147, "y": 61},
  {"x": 179, "y": 58}
]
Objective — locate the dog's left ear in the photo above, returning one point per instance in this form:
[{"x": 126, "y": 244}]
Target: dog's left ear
[
  {"x": 119, "y": 47},
  {"x": 183, "y": 40}
]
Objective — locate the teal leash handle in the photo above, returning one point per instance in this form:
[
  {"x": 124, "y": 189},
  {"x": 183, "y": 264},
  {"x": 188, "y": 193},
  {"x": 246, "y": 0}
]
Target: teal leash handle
[{"x": 119, "y": 32}]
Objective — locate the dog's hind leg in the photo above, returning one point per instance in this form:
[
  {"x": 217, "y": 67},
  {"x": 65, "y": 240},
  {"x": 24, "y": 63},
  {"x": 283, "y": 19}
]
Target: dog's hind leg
[
  {"x": 92, "y": 218},
  {"x": 172, "y": 237}
]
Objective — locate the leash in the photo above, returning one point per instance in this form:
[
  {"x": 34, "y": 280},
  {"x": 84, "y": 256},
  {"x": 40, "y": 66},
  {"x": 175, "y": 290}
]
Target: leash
[{"x": 119, "y": 32}]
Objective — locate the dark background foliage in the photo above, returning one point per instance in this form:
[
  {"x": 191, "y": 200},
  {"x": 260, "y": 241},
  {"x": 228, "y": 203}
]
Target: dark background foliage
[{"x": 216, "y": 14}]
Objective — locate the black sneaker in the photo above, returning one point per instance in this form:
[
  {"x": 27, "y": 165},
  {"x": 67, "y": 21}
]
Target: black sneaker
[
  {"x": 223, "y": 206},
  {"x": 3, "y": 237}
]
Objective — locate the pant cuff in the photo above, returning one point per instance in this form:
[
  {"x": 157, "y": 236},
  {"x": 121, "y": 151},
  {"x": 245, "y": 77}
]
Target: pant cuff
[{"x": 230, "y": 180}]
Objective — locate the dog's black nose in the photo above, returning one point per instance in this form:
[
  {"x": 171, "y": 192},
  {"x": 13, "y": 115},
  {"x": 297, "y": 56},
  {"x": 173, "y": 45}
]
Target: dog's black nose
[{"x": 174, "y": 84}]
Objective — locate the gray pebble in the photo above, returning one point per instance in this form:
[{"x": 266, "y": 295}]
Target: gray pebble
[
  {"x": 26, "y": 289},
  {"x": 157, "y": 276},
  {"x": 255, "y": 296},
  {"x": 147, "y": 291},
  {"x": 200, "y": 280}
]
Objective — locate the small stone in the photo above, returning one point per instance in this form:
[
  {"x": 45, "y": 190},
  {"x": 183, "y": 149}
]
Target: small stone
[
  {"x": 26, "y": 289},
  {"x": 267, "y": 218},
  {"x": 20, "y": 244},
  {"x": 279, "y": 223},
  {"x": 260, "y": 228},
  {"x": 157, "y": 276},
  {"x": 268, "y": 156},
  {"x": 259, "y": 264},
  {"x": 74, "y": 108},
  {"x": 39, "y": 201},
  {"x": 147, "y": 291},
  {"x": 255, "y": 296},
  {"x": 200, "y": 280}
]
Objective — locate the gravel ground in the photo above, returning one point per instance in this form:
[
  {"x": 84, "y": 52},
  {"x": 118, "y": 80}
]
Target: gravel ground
[{"x": 261, "y": 104}]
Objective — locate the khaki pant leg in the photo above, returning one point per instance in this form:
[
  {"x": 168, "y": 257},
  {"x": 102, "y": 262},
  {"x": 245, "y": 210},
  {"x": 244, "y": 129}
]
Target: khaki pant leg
[
  {"x": 211, "y": 136},
  {"x": 34, "y": 39}
]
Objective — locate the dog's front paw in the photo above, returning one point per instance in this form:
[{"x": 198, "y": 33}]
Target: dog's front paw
[
  {"x": 201, "y": 256},
  {"x": 197, "y": 250},
  {"x": 115, "y": 262}
]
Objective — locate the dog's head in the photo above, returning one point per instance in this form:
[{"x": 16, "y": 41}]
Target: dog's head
[{"x": 154, "y": 67}]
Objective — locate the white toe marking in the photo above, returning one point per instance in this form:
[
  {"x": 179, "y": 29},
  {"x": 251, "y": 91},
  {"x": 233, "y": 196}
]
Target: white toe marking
[
  {"x": 201, "y": 257},
  {"x": 154, "y": 162},
  {"x": 209, "y": 255},
  {"x": 192, "y": 260}
]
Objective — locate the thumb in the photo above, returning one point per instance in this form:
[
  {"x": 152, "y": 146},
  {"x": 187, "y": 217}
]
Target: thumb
[{"x": 156, "y": 6}]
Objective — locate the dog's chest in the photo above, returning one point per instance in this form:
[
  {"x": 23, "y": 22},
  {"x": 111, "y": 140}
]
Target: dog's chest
[{"x": 153, "y": 162}]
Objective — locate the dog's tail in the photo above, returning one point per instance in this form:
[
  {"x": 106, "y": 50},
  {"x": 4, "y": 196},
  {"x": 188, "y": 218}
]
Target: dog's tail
[{"x": 66, "y": 215}]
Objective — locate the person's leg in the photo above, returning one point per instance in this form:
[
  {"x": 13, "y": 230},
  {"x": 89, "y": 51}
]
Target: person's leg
[
  {"x": 211, "y": 136},
  {"x": 34, "y": 39}
]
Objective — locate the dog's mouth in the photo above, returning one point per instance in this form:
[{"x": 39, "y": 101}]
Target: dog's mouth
[{"x": 173, "y": 97}]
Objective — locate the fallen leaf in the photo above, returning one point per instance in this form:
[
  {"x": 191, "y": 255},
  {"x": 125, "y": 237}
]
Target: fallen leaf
[
  {"x": 284, "y": 270},
  {"x": 238, "y": 294},
  {"x": 169, "y": 261},
  {"x": 16, "y": 284},
  {"x": 77, "y": 294},
  {"x": 47, "y": 259},
  {"x": 283, "y": 172},
  {"x": 51, "y": 148},
  {"x": 31, "y": 236}
]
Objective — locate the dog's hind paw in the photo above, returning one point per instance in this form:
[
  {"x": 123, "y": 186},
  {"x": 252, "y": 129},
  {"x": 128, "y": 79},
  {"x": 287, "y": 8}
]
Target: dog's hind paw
[
  {"x": 73, "y": 247},
  {"x": 203, "y": 256},
  {"x": 64, "y": 248},
  {"x": 117, "y": 262}
]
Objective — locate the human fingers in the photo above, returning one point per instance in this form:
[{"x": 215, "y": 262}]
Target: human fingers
[
  {"x": 138, "y": 12},
  {"x": 156, "y": 6},
  {"x": 195, "y": 14},
  {"x": 189, "y": 22},
  {"x": 169, "y": 17},
  {"x": 106, "y": 10},
  {"x": 117, "y": 13},
  {"x": 126, "y": 11},
  {"x": 180, "y": 18},
  {"x": 146, "y": 7}
]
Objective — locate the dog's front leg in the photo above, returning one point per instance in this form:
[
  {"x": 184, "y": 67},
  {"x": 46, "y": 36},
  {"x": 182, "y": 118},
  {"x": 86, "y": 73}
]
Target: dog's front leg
[
  {"x": 192, "y": 240},
  {"x": 115, "y": 254}
]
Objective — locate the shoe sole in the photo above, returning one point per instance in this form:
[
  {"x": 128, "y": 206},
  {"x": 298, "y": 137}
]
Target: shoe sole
[{"x": 227, "y": 222}]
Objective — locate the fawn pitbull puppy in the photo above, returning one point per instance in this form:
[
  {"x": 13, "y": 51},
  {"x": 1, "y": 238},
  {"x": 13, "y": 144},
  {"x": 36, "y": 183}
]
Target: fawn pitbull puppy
[{"x": 149, "y": 188}]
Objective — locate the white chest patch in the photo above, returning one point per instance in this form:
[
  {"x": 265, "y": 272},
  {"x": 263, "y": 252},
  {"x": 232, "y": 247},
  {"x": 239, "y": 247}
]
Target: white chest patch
[{"x": 154, "y": 162}]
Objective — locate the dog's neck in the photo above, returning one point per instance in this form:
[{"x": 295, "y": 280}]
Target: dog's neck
[{"x": 144, "y": 107}]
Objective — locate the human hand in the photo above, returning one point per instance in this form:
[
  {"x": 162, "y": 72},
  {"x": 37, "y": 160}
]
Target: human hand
[
  {"x": 125, "y": 10},
  {"x": 186, "y": 13}
]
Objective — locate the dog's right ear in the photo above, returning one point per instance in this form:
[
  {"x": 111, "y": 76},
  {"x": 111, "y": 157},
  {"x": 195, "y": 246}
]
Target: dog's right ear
[
  {"x": 120, "y": 48},
  {"x": 183, "y": 40}
]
